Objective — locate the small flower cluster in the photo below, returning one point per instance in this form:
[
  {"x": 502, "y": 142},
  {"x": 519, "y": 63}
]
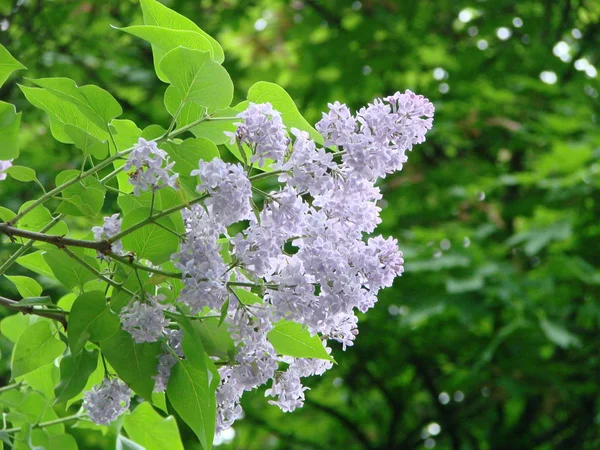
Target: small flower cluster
[
  {"x": 107, "y": 401},
  {"x": 110, "y": 228},
  {"x": 150, "y": 167},
  {"x": 4, "y": 166},
  {"x": 263, "y": 130},
  {"x": 146, "y": 321},
  {"x": 305, "y": 247}
]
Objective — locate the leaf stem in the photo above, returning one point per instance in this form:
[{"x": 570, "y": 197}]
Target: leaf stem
[
  {"x": 10, "y": 387},
  {"x": 46, "y": 424}
]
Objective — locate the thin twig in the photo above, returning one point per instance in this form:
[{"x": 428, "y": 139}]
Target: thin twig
[{"x": 57, "y": 315}]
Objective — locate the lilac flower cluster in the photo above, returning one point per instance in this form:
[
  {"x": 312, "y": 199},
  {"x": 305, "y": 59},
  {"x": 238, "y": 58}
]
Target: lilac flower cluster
[
  {"x": 145, "y": 320},
  {"x": 304, "y": 249},
  {"x": 107, "y": 401},
  {"x": 149, "y": 167},
  {"x": 263, "y": 130},
  {"x": 110, "y": 228},
  {"x": 327, "y": 204}
]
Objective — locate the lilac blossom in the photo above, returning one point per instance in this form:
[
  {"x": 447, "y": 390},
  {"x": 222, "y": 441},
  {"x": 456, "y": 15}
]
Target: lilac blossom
[
  {"x": 307, "y": 248},
  {"x": 104, "y": 403},
  {"x": 149, "y": 167}
]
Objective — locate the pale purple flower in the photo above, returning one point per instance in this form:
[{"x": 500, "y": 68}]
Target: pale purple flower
[
  {"x": 149, "y": 167},
  {"x": 104, "y": 403},
  {"x": 263, "y": 130},
  {"x": 145, "y": 321},
  {"x": 229, "y": 190},
  {"x": 110, "y": 228}
]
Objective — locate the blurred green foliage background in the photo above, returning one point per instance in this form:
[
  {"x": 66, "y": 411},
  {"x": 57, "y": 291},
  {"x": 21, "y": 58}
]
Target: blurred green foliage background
[{"x": 490, "y": 338}]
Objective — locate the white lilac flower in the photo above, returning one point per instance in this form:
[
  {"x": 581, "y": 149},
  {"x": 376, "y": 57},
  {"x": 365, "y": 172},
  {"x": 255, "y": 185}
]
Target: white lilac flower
[
  {"x": 149, "y": 167},
  {"x": 337, "y": 126},
  {"x": 288, "y": 390},
  {"x": 308, "y": 169},
  {"x": 324, "y": 209},
  {"x": 4, "y": 166},
  {"x": 110, "y": 228},
  {"x": 263, "y": 130},
  {"x": 415, "y": 113},
  {"x": 167, "y": 360},
  {"x": 228, "y": 400},
  {"x": 375, "y": 141},
  {"x": 200, "y": 261},
  {"x": 229, "y": 189},
  {"x": 163, "y": 371},
  {"x": 106, "y": 402},
  {"x": 145, "y": 321}
]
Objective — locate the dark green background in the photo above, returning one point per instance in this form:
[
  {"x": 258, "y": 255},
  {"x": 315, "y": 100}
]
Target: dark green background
[{"x": 492, "y": 332}]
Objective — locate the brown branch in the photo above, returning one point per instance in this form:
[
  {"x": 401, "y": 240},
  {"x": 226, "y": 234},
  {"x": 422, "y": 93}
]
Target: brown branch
[
  {"x": 60, "y": 241},
  {"x": 13, "y": 304}
]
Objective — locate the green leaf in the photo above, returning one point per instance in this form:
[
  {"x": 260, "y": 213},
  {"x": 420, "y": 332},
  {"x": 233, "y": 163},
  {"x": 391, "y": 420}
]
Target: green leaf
[
  {"x": 127, "y": 444},
  {"x": 163, "y": 199},
  {"x": 36, "y": 263},
  {"x": 198, "y": 78},
  {"x": 153, "y": 132},
  {"x": 32, "y": 409},
  {"x": 186, "y": 156},
  {"x": 10, "y": 120},
  {"x": 150, "y": 241},
  {"x": 216, "y": 339},
  {"x": 246, "y": 297},
  {"x": 13, "y": 326},
  {"x": 43, "y": 380},
  {"x": 292, "y": 339},
  {"x": 90, "y": 319},
  {"x": 164, "y": 40},
  {"x": 36, "y": 347},
  {"x": 33, "y": 301},
  {"x": 21, "y": 173},
  {"x": 38, "y": 218},
  {"x": 84, "y": 198},
  {"x": 87, "y": 143},
  {"x": 263, "y": 92},
  {"x": 95, "y": 103},
  {"x": 559, "y": 335},
  {"x": 60, "y": 113},
  {"x": 95, "y": 378},
  {"x": 149, "y": 429},
  {"x": 159, "y": 399},
  {"x": 190, "y": 112},
  {"x": 192, "y": 385},
  {"x": 6, "y": 214},
  {"x": 68, "y": 271},
  {"x": 74, "y": 374},
  {"x": 134, "y": 363},
  {"x": 26, "y": 286},
  {"x": 8, "y": 64},
  {"x": 156, "y": 13},
  {"x": 190, "y": 394},
  {"x": 62, "y": 442}
]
